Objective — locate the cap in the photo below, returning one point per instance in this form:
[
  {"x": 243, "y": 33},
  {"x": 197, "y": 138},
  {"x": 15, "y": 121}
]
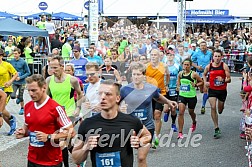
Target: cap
[
  {"x": 76, "y": 47},
  {"x": 70, "y": 39},
  {"x": 193, "y": 44},
  {"x": 171, "y": 47}
]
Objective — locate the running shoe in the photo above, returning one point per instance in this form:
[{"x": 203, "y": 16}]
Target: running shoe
[
  {"x": 193, "y": 127},
  {"x": 180, "y": 135},
  {"x": 13, "y": 126},
  {"x": 21, "y": 111},
  {"x": 174, "y": 127},
  {"x": 166, "y": 117},
  {"x": 18, "y": 101},
  {"x": 217, "y": 133},
  {"x": 242, "y": 135},
  {"x": 155, "y": 143},
  {"x": 203, "y": 110}
]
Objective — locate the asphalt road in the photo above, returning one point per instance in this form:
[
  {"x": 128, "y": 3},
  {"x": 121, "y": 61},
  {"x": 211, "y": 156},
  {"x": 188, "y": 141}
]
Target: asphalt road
[{"x": 200, "y": 149}]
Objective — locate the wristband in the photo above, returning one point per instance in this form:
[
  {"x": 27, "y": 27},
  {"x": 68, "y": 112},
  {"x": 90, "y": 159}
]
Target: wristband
[{"x": 1, "y": 114}]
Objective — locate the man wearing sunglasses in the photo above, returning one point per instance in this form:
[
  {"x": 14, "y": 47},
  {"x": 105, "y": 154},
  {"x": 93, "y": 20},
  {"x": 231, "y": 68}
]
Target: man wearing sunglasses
[{"x": 91, "y": 89}]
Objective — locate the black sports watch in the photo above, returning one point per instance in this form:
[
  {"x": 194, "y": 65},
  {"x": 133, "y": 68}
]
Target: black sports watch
[{"x": 49, "y": 137}]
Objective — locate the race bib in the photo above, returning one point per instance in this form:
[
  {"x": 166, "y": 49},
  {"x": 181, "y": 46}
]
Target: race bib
[
  {"x": 141, "y": 114},
  {"x": 172, "y": 92},
  {"x": 173, "y": 77},
  {"x": 185, "y": 88},
  {"x": 34, "y": 141},
  {"x": 218, "y": 83},
  {"x": 112, "y": 159},
  {"x": 79, "y": 72}
]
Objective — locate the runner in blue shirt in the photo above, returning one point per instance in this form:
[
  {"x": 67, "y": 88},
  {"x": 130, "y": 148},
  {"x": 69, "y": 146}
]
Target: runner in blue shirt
[
  {"x": 79, "y": 64},
  {"x": 172, "y": 93},
  {"x": 138, "y": 97},
  {"x": 203, "y": 58},
  {"x": 94, "y": 58}
]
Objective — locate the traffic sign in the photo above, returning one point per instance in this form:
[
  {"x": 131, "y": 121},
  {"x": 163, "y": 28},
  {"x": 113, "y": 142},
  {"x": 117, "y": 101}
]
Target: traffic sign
[
  {"x": 43, "y": 6},
  {"x": 86, "y": 5}
]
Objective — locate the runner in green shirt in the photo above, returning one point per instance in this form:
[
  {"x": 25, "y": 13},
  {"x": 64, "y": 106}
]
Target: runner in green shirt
[
  {"x": 67, "y": 49},
  {"x": 187, "y": 81}
]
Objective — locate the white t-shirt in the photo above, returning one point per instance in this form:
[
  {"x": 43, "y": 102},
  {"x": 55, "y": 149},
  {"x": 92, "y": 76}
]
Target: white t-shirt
[
  {"x": 50, "y": 27},
  {"x": 92, "y": 93}
]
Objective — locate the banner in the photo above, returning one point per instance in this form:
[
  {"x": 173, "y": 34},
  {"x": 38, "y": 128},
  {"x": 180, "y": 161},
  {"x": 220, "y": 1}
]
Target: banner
[
  {"x": 93, "y": 31},
  {"x": 214, "y": 12}
]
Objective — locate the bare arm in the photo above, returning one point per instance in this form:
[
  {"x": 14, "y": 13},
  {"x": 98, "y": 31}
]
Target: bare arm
[
  {"x": 8, "y": 84},
  {"x": 118, "y": 77},
  {"x": 80, "y": 152},
  {"x": 44, "y": 71},
  {"x": 227, "y": 72},
  {"x": 163, "y": 100},
  {"x": 198, "y": 79},
  {"x": 75, "y": 84},
  {"x": 22, "y": 132},
  {"x": 3, "y": 97},
  {"x": 167, "y": 73},
  {"x": 205, "y": 73},
  {"x": 178, "y": 81},
  {"x": 145, "y": 136},
  {"x": 67, "y": 132},
  {"x": 47, "y": 85}
]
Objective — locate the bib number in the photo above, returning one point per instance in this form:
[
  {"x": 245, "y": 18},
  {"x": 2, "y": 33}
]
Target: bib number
[
  {"x": 172, "y": 92},
  {"x": 79, "y": 72},
  {"x": 112, "y": 159},
  {"x": 34, "y": 141},
  {"x": 141, "y": 114},
  {"x": 185, "y": 88},
  {"x": 173, "y": 77},
  {"x": 218, "y": 83}
]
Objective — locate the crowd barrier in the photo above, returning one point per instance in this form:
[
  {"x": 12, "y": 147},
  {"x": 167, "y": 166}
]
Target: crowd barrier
[
  {"x": 37, "y": 63},
  {"x": 235, "y": 59}
]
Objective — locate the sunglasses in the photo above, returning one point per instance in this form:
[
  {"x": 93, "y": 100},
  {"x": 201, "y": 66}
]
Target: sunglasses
[
  {"x": 90, "y": 74},
  {"x": 75, "y": 51}
]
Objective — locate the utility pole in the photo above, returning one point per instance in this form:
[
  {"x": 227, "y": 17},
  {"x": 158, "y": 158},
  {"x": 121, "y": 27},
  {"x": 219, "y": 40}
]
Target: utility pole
[{"x": 181, "y": 18}]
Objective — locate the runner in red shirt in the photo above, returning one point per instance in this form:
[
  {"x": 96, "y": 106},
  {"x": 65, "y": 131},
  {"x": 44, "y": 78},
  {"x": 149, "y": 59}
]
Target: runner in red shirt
[
  {"x": 219, "y": 76},
  {"x": 45, "y": 123}
]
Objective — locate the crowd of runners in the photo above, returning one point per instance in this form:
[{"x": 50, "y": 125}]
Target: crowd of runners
[{"x": 80, "y": 92}]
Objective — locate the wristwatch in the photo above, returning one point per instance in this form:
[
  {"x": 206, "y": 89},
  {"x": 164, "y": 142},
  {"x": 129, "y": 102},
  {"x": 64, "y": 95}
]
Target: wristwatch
[
  {"x": 1, "y": 114},
  {"x": 49, "y": 137}
]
